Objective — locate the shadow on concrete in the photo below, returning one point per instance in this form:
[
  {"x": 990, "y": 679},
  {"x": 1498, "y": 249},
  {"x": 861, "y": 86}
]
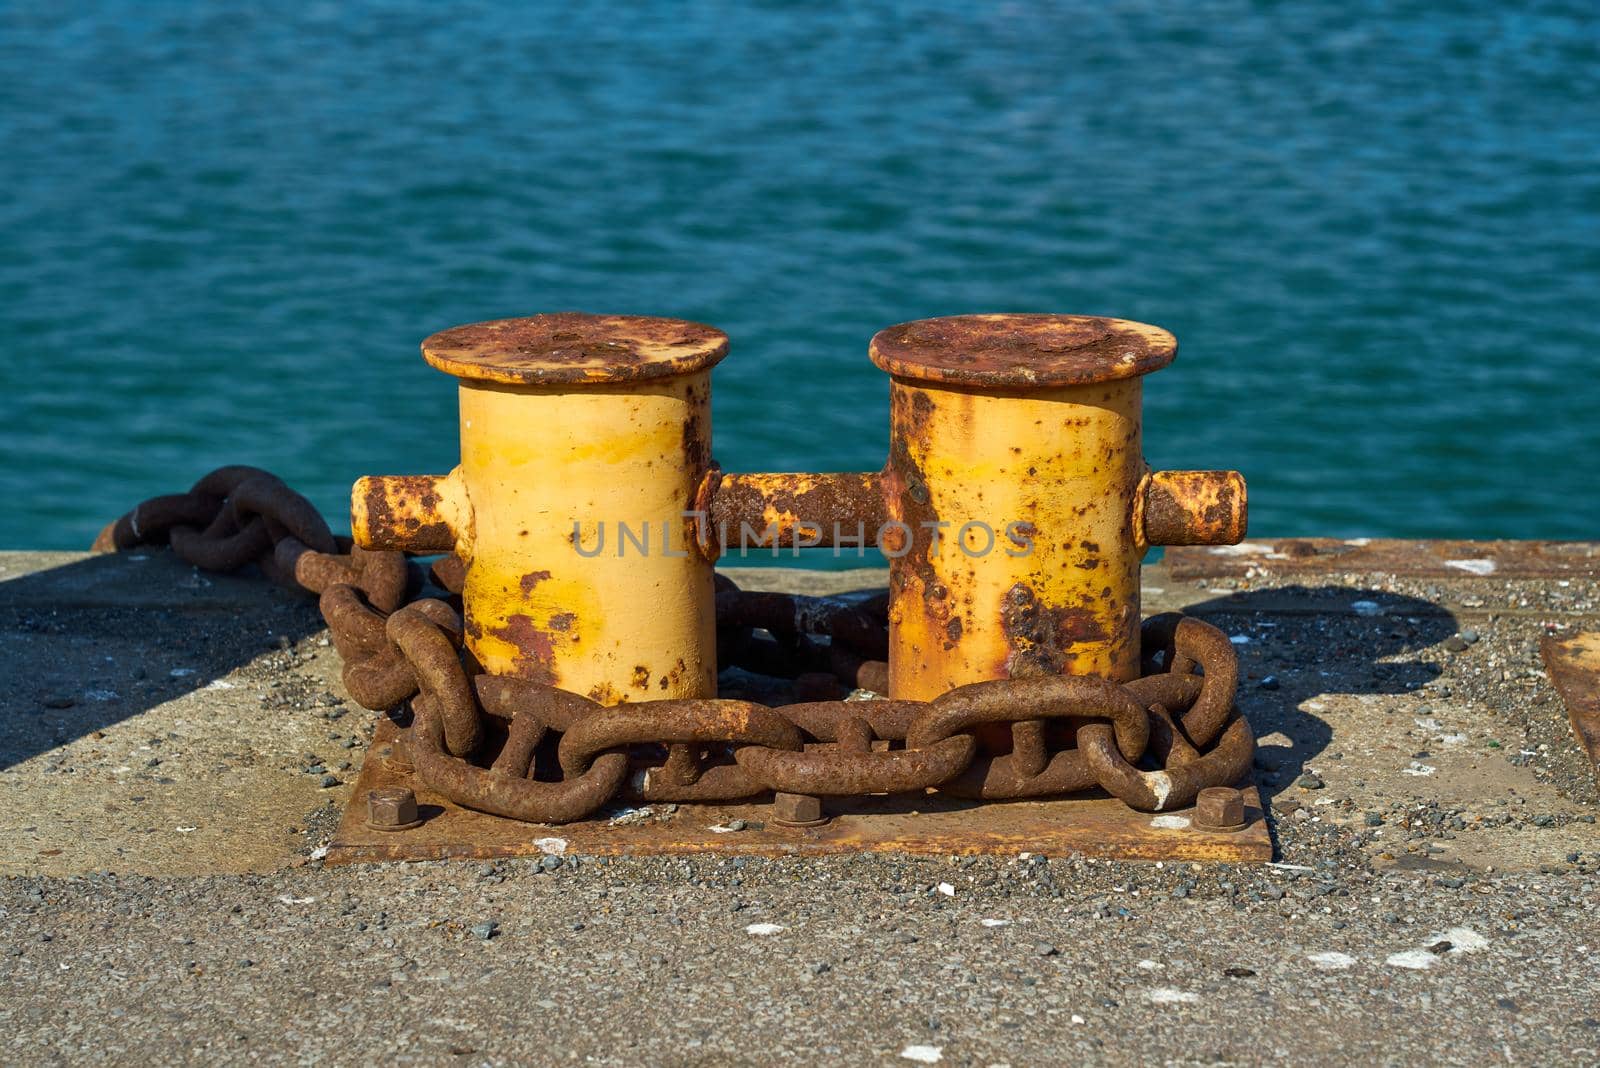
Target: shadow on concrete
[
  {"x": 1305, "y": 642},
  {"x": 94, "y": 641}
]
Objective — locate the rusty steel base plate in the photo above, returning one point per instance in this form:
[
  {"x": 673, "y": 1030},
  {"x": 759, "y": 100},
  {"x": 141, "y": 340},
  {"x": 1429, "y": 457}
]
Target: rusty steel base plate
[
  {"x": 1099, "y": 827},
  {"x": 1574, "y": 666}
]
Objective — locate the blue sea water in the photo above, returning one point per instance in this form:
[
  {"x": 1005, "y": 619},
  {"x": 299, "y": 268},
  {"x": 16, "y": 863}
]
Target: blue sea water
[{"x": 1375, "y": 228}]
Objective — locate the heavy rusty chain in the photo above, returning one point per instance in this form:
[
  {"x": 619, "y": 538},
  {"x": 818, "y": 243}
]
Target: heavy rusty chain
[{"x": 401, "y": 644}]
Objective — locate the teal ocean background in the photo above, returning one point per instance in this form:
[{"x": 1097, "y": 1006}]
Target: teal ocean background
[{"x": 1374, "y": 227}]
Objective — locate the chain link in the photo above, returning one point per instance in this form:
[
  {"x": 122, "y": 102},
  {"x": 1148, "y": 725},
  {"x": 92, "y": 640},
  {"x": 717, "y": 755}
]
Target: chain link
[{"x": 1068, "y": 733}]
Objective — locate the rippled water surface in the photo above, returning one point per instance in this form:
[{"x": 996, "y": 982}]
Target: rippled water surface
[{"x": 1374, "y": 227}]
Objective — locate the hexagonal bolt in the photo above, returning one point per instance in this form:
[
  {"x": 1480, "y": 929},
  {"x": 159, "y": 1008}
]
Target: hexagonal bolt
[
  {"x": 392, "y": 808},
  {"x": 797, "y": 810},
  {"x": 1219, "y": 808}
]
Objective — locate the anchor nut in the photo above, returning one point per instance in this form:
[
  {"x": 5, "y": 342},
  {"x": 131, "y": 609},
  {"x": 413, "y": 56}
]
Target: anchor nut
[
  {"x": 392, "y": 808},
  {"x": 797, "y": 810},
  {"x": 1219, "y": 808}
]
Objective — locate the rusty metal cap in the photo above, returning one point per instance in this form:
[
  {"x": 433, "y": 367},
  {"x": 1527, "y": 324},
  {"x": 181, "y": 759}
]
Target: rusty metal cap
[
  {"x": 573, "y": 348},
  {"x": 1022, "y": 351}
]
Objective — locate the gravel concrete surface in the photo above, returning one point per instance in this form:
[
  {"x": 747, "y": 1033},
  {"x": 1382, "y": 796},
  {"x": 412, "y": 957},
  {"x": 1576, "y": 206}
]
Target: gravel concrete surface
[{"x": 1434, "y": 900}]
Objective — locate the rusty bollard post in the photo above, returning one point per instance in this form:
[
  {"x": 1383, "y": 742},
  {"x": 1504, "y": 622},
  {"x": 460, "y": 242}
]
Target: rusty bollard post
[
  {"x": 584, "y": 439},
  {"x": 1018, "y": 499}
]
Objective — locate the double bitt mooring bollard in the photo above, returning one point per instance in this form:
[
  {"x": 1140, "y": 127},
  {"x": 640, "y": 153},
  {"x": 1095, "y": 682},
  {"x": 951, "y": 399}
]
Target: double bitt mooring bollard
[{"x": 1015, "y": 506}]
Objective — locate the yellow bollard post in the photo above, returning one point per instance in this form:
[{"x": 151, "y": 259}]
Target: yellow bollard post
[
  {"x": 584, "y": 439},
  {"x": 1018, "y": 499}
]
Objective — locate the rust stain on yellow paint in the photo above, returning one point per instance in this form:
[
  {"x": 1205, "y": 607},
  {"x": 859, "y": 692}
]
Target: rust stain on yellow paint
[{"x": 1018, "y": 509}]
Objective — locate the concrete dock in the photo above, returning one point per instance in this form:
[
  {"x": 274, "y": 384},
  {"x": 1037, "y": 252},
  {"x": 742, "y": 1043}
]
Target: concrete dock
[{"x": 175, "y": 747}]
